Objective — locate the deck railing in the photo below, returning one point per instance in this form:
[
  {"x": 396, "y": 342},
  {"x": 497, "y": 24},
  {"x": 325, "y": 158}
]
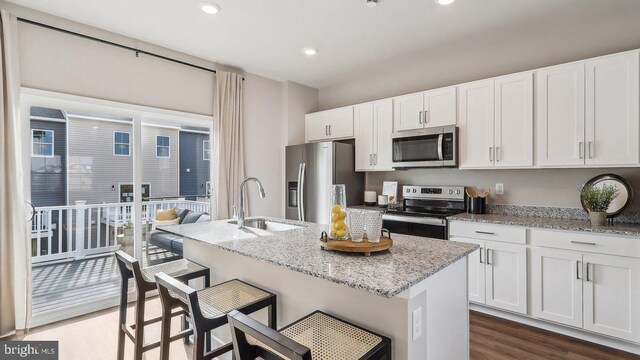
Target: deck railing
[{"x": 75, "y": 231}]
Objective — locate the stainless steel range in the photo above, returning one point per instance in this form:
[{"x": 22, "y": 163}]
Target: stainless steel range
[{"x": 425, "y": 209}]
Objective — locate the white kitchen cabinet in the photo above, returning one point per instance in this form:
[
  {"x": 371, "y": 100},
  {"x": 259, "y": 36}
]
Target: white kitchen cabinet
[
  {"x": 513, "y": 124},
  {"x": 612, "y": 128},
  {"x": 556, "y": 277},
  {"x": 496, "y": 122},
  {"x": 373, "y": 127},
  {"x": 560, "y": 93},
  {"x": 475, "y": 108},
  {"x": 497, "y": 272},
  {"x": 506, "y": 276},
  {"x": 612, "y": 296},
  {"x": 329, "y": 125},
  {"x": 425, "y": 109}
]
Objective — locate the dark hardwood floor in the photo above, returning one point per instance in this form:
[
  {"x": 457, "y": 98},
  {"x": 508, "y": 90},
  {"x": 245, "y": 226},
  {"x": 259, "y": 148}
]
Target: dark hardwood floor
[{"x": 497, "y": 339}]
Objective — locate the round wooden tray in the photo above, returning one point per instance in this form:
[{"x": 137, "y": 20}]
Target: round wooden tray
[{"x": 363, "y": 247}]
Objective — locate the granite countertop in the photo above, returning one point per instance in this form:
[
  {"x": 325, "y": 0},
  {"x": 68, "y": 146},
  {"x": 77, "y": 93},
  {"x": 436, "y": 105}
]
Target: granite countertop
[
  {"x": 550, "y": 223},
  {"x": 410, "y": 260}
]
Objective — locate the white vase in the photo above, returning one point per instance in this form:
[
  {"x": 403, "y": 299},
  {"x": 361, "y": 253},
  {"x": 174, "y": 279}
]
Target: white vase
[{"x": 597, "y": 218}]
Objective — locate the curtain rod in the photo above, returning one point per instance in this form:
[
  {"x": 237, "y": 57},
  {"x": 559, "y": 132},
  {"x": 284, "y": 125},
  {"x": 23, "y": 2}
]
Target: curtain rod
[{"x": 137, "y": 51}]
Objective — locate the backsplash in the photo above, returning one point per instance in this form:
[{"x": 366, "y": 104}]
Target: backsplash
[{"x": 630, "y": 217}]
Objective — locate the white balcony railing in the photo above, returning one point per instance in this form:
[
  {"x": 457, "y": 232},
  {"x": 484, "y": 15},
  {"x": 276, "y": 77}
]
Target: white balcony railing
[{"x": 75, "y": 231}]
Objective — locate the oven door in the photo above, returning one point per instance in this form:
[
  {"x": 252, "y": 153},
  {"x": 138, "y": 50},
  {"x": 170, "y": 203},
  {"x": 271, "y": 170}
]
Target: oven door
[
  {"x": 425, "y": 148},
  {"x": 416, "y": 226}
]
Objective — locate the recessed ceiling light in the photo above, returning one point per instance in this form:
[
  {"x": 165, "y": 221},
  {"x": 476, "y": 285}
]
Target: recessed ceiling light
[
  {"x": 372, "y": 3},
  {"x": 444, "y": 2},
  {"x": 310, "y": 51},
  {"x": 210, "y": 8}
]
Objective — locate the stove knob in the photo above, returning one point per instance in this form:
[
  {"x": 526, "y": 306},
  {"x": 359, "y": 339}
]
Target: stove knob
[
  {"x": 408, "y": 190},
  {"x": 450, "y": 192},
  {"x": 457, "y": 192},
  {"x": 414, "y": 190}
]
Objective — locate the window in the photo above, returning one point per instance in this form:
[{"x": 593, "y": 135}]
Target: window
[
  {"x": 163, "y": 149},
  {"x": 41, "y": 143},
  {"x": 121, "y": 143},
  {"x": 206, "y": 150}
]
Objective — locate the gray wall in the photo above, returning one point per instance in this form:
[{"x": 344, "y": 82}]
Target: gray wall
[
  {"x": 93, "y": 168},
  {"x": 49, "y": 175},
  {"x": 194, "y": 171},
  {"x": 162, "y": 174}
]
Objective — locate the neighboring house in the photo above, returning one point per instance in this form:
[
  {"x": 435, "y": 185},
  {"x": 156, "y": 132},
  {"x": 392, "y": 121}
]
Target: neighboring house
[
  {"x": 195, "y": 158},
  {"x": 48, "y": 157}
]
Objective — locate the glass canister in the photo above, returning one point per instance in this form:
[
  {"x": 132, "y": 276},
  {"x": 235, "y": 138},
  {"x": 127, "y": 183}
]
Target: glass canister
[{"x": 338, "y": 230}]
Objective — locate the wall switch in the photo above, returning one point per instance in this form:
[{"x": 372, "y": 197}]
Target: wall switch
[
  {"x": 417, "y": 323},
  {"x": 499, "y": 189}
]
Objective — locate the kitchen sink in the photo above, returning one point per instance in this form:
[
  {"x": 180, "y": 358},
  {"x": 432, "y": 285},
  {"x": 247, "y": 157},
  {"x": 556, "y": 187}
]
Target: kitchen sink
[{"x": 263, "y": 224}]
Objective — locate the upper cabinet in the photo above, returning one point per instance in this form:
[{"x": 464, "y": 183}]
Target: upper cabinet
[
  {"x": 612, "y": 126},
  {"x": 425, "y": 109},
  {"x": 587, "y": 112},
  {"x": 373, "y": 128},
  {"x": 496, "y": 122},
  {"x": 329, "y": 125}
]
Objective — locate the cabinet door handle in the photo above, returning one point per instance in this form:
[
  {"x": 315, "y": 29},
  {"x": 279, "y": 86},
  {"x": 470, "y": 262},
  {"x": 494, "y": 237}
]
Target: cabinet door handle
[
  {"x": 484, "y": 232},
  {"x": 489, "y": 257},
  {"x": 375, "y": 159},
  {"x": 326, "y": 130},
  {"x": 588, "y": 273},
  {"x": 578, "y": 270},
  {"x": 490, "y": 154},
  {"x": 590, "y": 156},
  {"x": 426, "y": 116},
  {"x": 481, "y": 251},
  {"x": 583, "y": 243},
  {"x": 420, "y": 117},
  {"x": 498, "y": 153},
  {"x": 580, "y": 149},
  {"x": 370, "y": 162},
  {"x": 329, "y": 130}
]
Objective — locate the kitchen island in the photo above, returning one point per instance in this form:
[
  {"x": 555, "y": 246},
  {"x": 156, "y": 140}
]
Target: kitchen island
[{"x": 415, "y": 293}]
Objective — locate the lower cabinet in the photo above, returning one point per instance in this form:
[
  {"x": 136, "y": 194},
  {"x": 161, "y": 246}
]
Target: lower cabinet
[
  {"x": 596, "y": 292},
  {"x": 498, "y": 274}
]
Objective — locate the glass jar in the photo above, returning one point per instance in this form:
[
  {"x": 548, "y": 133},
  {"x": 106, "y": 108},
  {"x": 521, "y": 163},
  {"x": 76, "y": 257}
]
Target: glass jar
[{"x": 338, "y": 228}]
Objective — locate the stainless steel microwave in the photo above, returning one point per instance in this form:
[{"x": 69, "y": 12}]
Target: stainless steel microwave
[{"x": 430, "y": 147}]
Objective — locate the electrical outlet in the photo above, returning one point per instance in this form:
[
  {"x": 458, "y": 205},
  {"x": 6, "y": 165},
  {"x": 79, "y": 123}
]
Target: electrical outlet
[
  {"x": 417, "y": 323},
  {"x": 499, "y": 189}
]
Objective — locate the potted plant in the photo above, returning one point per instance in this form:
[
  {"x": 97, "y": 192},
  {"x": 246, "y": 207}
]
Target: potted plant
[{"x": 598, "y": 200}]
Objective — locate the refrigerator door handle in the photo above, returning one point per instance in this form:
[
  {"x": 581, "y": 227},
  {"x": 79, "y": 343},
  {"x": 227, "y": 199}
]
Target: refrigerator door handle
[{"x": 301, "y": 191}]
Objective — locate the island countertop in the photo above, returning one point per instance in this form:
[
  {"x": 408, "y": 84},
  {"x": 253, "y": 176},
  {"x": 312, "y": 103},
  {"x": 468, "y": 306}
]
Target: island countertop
[{"x": 411, "y": 260}]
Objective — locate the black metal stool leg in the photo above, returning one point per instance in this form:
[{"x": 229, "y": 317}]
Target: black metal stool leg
[
  {"x": 273, "y": 315},
  {"x": 139, "y": 331},
  {"x": 122, "y": 321}
]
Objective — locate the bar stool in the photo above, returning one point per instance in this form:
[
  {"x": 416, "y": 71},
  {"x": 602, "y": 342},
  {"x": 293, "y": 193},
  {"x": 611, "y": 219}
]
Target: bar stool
[
  {"x": 144, "y": 280},
  {"x": 317, "y": 336},
  {"x": 208, "y": 310}
]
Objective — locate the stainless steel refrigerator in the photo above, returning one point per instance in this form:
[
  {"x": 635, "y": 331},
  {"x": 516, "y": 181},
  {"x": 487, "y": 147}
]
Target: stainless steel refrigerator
[{"x": 311, "y": 171}]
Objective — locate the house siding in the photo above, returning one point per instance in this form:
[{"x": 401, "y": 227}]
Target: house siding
[
  {"x": 49, "y": 175},
  {"x": 194, "y": 171},
  {"x": 93, "y": 169},
  {"x": 160, "y": 173}
]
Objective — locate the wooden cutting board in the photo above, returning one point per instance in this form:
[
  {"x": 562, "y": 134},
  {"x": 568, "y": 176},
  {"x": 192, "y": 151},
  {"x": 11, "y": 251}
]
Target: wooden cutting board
[{"x": 363, "y": 247}]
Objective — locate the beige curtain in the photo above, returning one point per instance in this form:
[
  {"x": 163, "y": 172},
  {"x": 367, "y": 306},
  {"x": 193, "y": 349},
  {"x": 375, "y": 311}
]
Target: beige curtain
[
  {"x": 13, "y": 214},
  {"x": 228, "y": 147}
]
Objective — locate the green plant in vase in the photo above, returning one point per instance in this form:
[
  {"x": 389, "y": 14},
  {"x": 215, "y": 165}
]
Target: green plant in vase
[{"x": 598, "y": 200}]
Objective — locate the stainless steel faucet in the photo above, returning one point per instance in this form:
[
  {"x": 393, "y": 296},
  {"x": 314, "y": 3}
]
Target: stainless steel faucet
[{"x": 240, "y": 210}]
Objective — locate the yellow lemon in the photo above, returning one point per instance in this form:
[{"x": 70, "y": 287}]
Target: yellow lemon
[
  {"x": 341, "y": 233},
  {"x": 340, "y": 225},
  {"x": 336, "y": 209},
  {"x": 332, "y": 233},
  {"x": 343, "y": 215},
  {"x": 334, "y": 226},
  {"x": 335, "y": 217}
]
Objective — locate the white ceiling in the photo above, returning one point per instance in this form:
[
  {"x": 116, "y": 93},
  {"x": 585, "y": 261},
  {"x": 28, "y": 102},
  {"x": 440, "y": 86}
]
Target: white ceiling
[{"x": 266, "y": 37}]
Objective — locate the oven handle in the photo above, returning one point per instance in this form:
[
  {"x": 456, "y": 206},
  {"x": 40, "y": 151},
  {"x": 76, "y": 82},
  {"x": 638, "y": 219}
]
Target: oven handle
[
  {"x": 440, "y": 138},
  {"x": 415, "y": 220}
]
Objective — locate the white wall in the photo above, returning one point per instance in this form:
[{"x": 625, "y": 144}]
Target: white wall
[
  {"x": 299, "y": 100},
  {"x": 496, "y": 55}
]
